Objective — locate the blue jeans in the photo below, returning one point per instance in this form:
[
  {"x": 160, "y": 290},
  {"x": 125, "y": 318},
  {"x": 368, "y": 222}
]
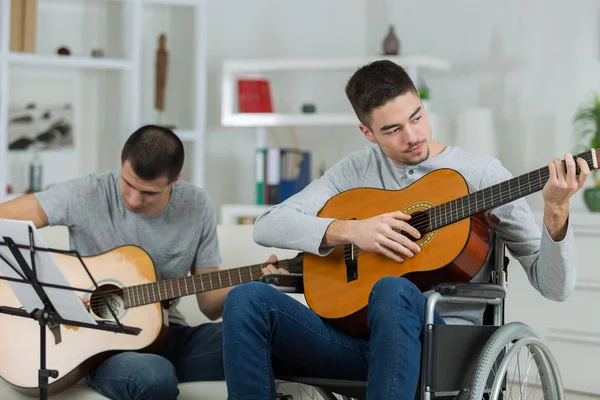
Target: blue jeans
[
  {"x": 189, "y": 354},
  {"x": 263, "y": 328}
]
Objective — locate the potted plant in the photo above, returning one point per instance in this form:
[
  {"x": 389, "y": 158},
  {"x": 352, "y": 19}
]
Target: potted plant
[{"x": 587, "y": 126}]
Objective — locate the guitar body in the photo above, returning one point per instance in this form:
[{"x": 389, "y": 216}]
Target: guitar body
[
  {"x": 455, "y": 252},
  {"x": 81, "y": 349}
]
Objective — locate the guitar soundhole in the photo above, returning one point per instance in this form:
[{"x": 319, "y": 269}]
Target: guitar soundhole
[
  {"x": 114, "y": 299},
  {"x": 419, "y": 220}
]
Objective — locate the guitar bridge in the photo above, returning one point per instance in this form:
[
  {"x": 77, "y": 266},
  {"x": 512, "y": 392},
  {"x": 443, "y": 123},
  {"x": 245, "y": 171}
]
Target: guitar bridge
[{"x": 351, "y": 261}]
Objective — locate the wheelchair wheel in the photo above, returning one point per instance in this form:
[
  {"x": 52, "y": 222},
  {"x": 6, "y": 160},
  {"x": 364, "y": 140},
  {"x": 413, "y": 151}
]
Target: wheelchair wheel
[{"x": 501, "y": 373}]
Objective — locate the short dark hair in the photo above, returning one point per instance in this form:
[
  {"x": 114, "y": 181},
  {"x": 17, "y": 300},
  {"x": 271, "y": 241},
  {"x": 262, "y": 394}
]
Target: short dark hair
[
  {"x": 375, "y": 84},
  {"x": 154, "y": 151}
]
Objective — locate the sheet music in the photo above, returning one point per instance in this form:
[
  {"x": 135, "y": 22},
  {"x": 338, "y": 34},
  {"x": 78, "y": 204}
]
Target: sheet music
[{"x": 66, "y": 302}]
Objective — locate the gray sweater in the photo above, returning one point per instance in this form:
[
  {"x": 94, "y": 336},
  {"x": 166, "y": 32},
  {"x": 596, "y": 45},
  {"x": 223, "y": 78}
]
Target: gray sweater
[{"x": 549, "y": 265}]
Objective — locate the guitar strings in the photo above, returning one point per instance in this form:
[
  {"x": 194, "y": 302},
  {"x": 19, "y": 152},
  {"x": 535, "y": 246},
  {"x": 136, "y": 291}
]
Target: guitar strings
[
  {"x": 143, "y": 291},
  {"x": 426, "y": 221},
  {"x": 542, "y": 175},
  {"x": 421, "y": 225},
  {"x": 175, "y": 285}
]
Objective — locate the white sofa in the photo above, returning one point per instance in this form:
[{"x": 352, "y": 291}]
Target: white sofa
[{"x": 237, "y": 249}]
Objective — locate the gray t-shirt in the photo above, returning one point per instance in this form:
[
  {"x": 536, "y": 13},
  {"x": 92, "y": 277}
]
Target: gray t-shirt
[
  {"x": 179, "y": 238},
  {"x": 549, "y": 265}
]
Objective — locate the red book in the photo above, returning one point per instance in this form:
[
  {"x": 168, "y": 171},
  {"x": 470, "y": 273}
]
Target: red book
[{"x": 254, "y": 96}]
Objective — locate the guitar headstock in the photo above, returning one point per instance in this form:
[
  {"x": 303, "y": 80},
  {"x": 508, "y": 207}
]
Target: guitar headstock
[{"x": 591, "y": 156}]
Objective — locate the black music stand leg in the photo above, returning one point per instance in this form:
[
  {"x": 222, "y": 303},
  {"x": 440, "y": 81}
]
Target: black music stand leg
[{"x": 43, "y": 316}]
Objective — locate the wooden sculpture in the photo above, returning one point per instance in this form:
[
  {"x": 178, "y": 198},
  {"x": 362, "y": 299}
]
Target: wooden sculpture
[{"x": 162, "y": 57}]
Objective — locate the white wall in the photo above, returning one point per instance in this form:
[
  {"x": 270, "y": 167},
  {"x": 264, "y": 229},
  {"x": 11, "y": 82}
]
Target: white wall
[
  {"x": 99, "y": 108},
  {"x": 237, "y": 29},
  {"x": 101, "y": 99},
  {"x": 272, "y": 28},
  {"x": 531, "y": 62}
]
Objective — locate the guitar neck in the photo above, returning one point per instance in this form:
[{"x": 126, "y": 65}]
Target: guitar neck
[
  {"x": 169, "y": 289},
  {"x": 493, "y": 196}
]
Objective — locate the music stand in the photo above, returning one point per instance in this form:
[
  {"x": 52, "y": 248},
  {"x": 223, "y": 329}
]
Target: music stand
[{"x": 44, "y": 291}]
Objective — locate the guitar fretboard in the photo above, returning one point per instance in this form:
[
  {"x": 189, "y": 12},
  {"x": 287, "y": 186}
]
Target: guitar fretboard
[
  {"x": 168, "y": 289},
  {"x": 490, "y": 197}
]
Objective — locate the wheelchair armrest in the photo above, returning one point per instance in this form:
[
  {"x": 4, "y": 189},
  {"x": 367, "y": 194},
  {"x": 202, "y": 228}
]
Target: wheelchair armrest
[
  {"x": 475, "y": 290},
  {"x": 289, "y": 283}
]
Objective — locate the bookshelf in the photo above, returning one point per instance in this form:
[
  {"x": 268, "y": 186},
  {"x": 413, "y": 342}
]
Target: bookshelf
[
  {"x": 337, "y": 70},
  {"x": 232, "y": 69},
  {"x": 48, "y": 61},
  {"x": 112, "y": 95},
  {"x": 278, "y": 119},
  {"x": 236, "y": 68}
]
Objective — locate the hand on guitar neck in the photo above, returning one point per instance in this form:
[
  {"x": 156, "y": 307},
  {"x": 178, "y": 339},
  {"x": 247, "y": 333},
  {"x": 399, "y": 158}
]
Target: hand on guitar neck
[
  {"x": 563, "y": 182},
  {"x": 382, "y": 234},
  {"x": 271, "y": 268}
]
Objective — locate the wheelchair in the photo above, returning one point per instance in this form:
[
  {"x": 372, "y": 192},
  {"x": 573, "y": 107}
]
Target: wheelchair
[{"x": 462, "y": 362}]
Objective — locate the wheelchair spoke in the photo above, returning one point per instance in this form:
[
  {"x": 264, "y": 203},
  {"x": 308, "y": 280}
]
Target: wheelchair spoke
[
  {"x": 529, "y": 359},
  {"x": 512, "y": 380},
  {"x": 523, "y": 379},
  {"x": 519, "y": 370},
  {"x": 518, "y": 376}
]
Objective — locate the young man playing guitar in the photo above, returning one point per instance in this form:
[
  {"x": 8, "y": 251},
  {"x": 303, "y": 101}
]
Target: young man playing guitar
[
  {"x": 263, "y": 326},
  {"x": 149, "y": 206}
]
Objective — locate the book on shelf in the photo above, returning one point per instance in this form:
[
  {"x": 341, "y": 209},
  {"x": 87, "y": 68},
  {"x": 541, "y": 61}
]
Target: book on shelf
[
  {"x": 254, "y": 96},
  {"x": 23, "y": 22},
  {"x": 280, "y": 173}
]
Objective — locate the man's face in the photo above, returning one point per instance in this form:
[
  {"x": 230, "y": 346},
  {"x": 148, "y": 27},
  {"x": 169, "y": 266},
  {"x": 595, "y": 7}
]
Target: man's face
[
  {"x": 401, "y": 129},
  {"x": 141, "y": 196}
]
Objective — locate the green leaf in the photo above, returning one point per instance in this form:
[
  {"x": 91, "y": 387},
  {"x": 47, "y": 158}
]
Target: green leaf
[{"x": 586, "y": 121}]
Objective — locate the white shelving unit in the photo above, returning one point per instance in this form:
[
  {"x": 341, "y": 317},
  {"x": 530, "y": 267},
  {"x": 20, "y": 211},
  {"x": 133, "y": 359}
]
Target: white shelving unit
[
  {"x": 130, "y": 68},
  {"x": 233, "y": 69},
  {"x": 69, "y": 62},
  {"x": 275, "y": 119}
]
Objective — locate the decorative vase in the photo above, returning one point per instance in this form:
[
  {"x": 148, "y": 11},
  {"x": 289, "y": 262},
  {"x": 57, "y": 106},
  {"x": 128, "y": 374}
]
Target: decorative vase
[
  {"x": 391, "y": 44},
  {"x": 592, "y": 198}
]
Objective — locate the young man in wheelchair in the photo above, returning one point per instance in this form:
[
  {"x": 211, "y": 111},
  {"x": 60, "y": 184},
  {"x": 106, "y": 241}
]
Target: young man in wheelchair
[{"x": 263, "y": 326}]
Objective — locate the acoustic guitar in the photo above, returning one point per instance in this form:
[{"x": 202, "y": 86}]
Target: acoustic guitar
[
  {"x": 127, "y": 277},
  {"x": 455, "y": 239}
]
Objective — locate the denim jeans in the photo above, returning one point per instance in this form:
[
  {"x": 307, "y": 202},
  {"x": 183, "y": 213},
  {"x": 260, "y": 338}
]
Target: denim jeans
[
  {"x": 263, "y": 328},
  {"x": 189, "y": 354}
]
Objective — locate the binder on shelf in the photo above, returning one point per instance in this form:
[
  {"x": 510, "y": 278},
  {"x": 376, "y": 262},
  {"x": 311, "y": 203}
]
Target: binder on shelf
[
  {"x": 259, "y": 174},
  {"x": 295, "y": 172},
  {"x": 273, "y": 175},
  {"x": 23, "y": 22},
  {"x": 280, "y": 173}
]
